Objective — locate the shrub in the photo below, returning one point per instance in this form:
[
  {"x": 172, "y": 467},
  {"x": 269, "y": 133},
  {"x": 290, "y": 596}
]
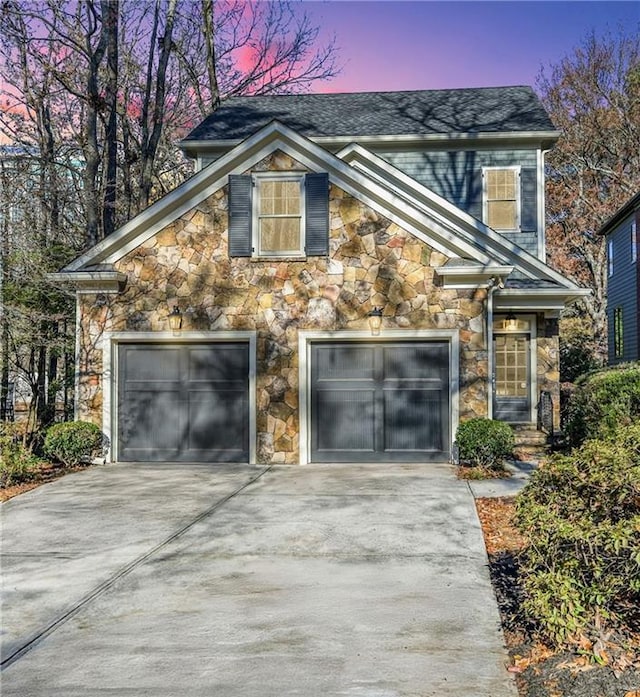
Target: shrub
[
  {"x": 484, "y": 443},
  {"x": 73, "y": 442},
  {"x": 580, "y": 514},
  {"x": 577, "y": 349},
  {"x": 603, "y": 400},
  {"x": 17, "y": 463}
]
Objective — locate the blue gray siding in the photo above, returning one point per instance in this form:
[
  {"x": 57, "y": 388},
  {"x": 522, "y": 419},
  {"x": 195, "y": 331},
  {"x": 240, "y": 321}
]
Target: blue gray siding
[
  {"x": 622, "y": 292},
  {"x": 457, "y": 177}
]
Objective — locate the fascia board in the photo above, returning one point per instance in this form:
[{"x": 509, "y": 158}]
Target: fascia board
[
  {"x": 500, "y": 246},
  {"x": 538, "y": 138},
  {"x": 487, "y": 270},
  {"x": 541, "y": 298},
  {"x": 106, "y": 281}
]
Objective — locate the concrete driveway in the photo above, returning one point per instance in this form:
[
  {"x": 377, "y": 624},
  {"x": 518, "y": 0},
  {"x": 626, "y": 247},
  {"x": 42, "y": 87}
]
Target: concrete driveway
[{"x": 363, "y": 581}]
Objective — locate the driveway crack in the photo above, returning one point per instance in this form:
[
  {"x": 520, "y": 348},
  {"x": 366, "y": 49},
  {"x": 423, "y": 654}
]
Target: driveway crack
[{"x": 27, "y": 645}]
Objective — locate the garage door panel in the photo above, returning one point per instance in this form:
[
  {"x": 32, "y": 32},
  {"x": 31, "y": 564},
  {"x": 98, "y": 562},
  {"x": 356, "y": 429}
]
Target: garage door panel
[
  {"x": 183, "y": 403},
  {"x": 413, "y": 420},
  {"x": 405, "y": 415},
  {"x": 151, "y": 363},
  {"x": 148, "y": 419},
  {"x": 216, "y": 420},
  {"x": 218, "y": 365},
  {"x": 345, "y": 362},
  {"x": 337, "y": 430}
]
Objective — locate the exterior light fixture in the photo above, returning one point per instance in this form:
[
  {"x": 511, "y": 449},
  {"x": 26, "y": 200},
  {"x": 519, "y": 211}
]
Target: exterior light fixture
[
  {"x": 511, "y": 323},
  {"x": 175, "y": 319},
  {"x": 375, "y": 320}
]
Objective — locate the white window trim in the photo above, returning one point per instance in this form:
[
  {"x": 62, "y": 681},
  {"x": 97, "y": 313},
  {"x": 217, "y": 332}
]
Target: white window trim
[
  {"x": 485, "y": 201},
  {"x": 533, "y": 360},
  {"x": 307, "y": 338},
  {"x": 257, "y": 179},
  {"x": 110, "y": 343}
]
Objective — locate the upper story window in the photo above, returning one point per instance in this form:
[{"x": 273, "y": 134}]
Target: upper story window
[
  {"x": 610, "y": 257},
  {"x": 501, "y": 197},
  {"x": 279, "y": 215},
  {"x": 634, "y": 242}
]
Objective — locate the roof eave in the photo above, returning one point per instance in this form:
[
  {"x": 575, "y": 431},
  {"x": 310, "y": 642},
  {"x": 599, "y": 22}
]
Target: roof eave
[
  {"x": 91, "y": 281},
  {"x": 542, "y": 139}
]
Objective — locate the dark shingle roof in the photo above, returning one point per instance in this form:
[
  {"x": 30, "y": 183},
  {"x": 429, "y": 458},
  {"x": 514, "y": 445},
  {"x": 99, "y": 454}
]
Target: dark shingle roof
[{"x": 425, "y": 112}]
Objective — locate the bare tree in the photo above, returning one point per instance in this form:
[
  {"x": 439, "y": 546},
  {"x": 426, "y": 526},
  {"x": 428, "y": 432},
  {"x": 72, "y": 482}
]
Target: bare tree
[
  {"x": 93, "y": 96},
  {"x": 593, "y": 96}
]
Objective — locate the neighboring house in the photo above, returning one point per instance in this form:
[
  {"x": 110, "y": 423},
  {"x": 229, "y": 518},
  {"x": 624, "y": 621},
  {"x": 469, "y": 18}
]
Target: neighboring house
[
  {"x": 623, "y": 282},
  {"x": 310, "y": 219}
]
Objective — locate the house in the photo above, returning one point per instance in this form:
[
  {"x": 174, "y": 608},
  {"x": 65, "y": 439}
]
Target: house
[
  {"x": 623, "y": 282},
  {"x": 348, "y": 276}
]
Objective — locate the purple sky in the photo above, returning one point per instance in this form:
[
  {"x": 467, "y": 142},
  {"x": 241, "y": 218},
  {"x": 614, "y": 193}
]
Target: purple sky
[{"x": 393, "y": 45}]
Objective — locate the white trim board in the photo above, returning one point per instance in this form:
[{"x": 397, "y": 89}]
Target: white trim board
[
  {"x": 307, "y": 338},
  {"x": 110, "y": 343}
]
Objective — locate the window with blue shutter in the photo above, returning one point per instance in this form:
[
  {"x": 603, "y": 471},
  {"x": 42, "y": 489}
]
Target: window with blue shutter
[{"x": 279, "y": 214}]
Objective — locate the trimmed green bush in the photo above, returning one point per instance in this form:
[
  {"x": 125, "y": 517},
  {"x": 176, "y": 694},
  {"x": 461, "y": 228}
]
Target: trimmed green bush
[
  {"x": 73, "y": 442},
  {"x": 17, "y": 463},
  {"x": 484, "y": 443},
  {"x": 580, "y": 515},
  {"x": 602, "y": 401}
]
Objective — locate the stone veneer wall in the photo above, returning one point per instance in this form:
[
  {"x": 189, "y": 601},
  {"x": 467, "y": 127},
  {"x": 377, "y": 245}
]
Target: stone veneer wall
[
  {"x": 548, "y": 363},
  {"x": 372, "y": 262}
]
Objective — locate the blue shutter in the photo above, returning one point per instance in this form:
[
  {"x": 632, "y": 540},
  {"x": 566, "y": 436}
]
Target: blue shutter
[
  {"x": 529, "y": 200},
  {"x": 240, "y": 209},
  {"x": 316, "y": 188}
]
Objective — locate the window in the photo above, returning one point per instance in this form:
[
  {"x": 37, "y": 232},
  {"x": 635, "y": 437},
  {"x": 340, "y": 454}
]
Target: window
[
  {"x": 501, "y": 188},
  {"x": 618, "y": 333},
  {"x": 610, "y": 257},
  {"x": 634, "y": 243},
  {"x": 279, "y": 215}
]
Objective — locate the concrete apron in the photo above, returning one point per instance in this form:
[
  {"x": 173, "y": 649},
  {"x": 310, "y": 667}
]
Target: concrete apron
[{"x": 231, "y": 580}]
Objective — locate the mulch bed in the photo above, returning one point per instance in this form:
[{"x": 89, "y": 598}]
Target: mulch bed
[
  {"x": 540, "y": 671},
  {"x": 45, "y": 472}
]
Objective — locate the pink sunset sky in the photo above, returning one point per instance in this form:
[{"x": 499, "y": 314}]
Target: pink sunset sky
[{"x": 391, "y": 45}]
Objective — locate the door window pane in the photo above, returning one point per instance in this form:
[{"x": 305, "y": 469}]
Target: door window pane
[{"x": 511, "y": 366}]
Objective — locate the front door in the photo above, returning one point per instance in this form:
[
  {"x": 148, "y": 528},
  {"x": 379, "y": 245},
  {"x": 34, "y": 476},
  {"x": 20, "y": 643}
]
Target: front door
[{"x": 512, "y": 393}]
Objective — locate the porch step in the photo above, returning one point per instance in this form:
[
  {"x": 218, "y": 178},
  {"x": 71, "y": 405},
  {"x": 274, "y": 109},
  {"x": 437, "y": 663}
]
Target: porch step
[{"x": 531, "y": 444}]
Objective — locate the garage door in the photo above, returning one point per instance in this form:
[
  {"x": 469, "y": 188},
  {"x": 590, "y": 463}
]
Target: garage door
[
  {"x": 380, "y": 402},
  {"x": 183, "y": 403}
]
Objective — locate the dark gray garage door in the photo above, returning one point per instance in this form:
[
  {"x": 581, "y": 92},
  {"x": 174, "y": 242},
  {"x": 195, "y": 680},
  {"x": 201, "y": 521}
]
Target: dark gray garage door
[
  {"x": 183, "y": 403},
  {"x": 380, "y": 402}
]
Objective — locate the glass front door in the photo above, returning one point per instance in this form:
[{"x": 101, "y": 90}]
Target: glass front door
[{"x": 511, "y": 383}]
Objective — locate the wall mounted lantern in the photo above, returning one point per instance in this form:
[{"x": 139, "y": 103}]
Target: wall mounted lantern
[
  {"x": 175, "y": 319},
  {"x": 375, "y": 320}
]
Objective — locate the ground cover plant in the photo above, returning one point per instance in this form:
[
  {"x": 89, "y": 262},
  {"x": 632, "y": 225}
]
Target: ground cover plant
[{"x": 17, "y": 462}]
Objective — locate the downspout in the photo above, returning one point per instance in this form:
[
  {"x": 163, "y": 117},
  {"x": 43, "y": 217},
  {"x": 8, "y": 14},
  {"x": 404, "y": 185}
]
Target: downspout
[{"x": 496, "y": 284}]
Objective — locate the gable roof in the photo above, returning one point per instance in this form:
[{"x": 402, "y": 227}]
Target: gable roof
[
  {"x": 412, "y": 206},
  {"x": 362, "y": 114},
  {"x": 626, "y": 209}
]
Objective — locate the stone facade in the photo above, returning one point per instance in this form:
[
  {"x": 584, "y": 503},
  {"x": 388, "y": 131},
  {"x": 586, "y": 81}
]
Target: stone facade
[{"x": 372, "y": 262}]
